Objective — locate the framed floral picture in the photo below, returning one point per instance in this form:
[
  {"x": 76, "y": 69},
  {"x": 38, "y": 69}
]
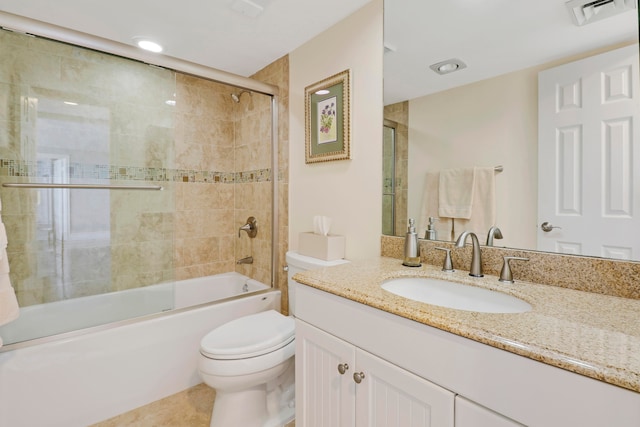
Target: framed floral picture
[{"x": 327, "y": 118}]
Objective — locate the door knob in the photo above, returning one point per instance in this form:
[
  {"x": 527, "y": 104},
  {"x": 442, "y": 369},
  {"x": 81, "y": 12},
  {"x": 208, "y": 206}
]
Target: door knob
[
  {"x": 547, "y": 227},
  {"x": 342, "y": 368},
  {"x": 358, "y": 377}
]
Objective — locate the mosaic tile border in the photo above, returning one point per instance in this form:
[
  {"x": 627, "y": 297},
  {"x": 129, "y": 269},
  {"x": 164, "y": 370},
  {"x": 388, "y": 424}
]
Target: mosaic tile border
[{"x": 40, "y": 169}]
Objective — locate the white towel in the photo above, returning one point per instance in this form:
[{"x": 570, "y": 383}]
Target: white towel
[
  {"x": 3, "y": 236},
  {"x": 444, "y": 226},
  {"x": 483, "y": 210},
  {"x": 4, "y": 262},
  {"x": 456, "y": 193},
  {"x": 9, "y": 309}
]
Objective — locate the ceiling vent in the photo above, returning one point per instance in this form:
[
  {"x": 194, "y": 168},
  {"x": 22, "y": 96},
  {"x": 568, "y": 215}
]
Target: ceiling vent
[{"x": 585, "y": 12}]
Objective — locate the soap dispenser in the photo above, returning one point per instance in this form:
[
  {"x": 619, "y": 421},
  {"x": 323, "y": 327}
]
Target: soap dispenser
[
  {"x": 411, "y": 246},
  {"x": 431, "y": 233}
]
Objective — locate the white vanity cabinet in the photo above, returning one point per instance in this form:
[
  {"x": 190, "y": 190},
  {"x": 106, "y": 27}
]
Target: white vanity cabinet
[
  {"x": 470, "y": 414},
  {"x": 407, "y": 364},
  {"x": 339, "y": 385}
]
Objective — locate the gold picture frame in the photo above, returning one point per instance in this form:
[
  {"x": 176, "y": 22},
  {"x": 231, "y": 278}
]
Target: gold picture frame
[{"x": 328, "y": 119}]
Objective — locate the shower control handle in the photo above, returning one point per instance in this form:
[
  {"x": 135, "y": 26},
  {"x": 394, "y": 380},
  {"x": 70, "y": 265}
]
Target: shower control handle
[
  {"x": 251, "y": 227},
  {"x": 342, "y": 368}
]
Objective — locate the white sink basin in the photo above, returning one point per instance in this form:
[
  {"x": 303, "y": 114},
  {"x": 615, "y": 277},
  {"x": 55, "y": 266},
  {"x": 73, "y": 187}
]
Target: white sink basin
[{"x": 455, "y": 295}]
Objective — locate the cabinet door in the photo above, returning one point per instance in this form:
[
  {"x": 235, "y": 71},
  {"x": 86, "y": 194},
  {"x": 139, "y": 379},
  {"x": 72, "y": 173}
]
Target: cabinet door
[
  {"x": 389, "y": 396},
  {"x": 469, "y": 414},
  {"x": 324, "y": 396}
]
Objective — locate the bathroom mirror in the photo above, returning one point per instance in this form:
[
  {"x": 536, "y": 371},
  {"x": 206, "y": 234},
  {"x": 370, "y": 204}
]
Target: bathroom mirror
[{"x": 485, "y": 113}]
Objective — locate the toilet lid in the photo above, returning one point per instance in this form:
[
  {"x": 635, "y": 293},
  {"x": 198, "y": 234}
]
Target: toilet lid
[{"x": 249, "y": 336}]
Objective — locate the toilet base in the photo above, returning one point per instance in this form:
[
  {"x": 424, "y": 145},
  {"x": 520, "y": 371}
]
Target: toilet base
[
  {"x": 248, "y": 408},
  {"x": 240, "y": 408},
  {"x": 270, "y": 404}
]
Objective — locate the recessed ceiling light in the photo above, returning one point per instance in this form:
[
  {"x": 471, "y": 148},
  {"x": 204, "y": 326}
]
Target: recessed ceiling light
[
  {"x": 149, "y": 45},
  {"x": 448, "y": 66}
]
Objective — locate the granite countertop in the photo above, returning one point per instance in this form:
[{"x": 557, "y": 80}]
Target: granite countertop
[{"x": 590, "y": 334}]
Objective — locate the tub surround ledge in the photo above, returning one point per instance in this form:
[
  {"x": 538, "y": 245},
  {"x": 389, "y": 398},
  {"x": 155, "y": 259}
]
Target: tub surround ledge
[{"x": 588, "y": 333}]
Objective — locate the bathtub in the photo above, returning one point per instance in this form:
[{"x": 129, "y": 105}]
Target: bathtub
[{"x": 86, "y": 376}]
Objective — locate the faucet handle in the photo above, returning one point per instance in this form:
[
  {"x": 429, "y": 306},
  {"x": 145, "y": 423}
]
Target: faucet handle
[
  {"x": 251, "y": 227},
  {"x": 505, "y": 273},
  {"x": 447, "y": 264}
]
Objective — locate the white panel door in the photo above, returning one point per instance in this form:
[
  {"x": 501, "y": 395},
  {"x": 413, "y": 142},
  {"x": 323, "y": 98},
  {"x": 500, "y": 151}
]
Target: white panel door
[
  {"x": 389, "y": 396},
  {"x": 324, "y": 396},
  {"x": 589, "y": 156}
]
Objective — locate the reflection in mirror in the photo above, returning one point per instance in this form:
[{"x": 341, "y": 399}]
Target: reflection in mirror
[
  {"x": 396, "y": 119},
  {"x": 388, "y": 177},
  {"x": 487, "y": 114}
]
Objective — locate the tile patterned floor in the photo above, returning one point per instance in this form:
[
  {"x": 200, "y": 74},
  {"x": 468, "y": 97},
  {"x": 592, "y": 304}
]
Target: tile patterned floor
[{"x": 189, "y": 408}]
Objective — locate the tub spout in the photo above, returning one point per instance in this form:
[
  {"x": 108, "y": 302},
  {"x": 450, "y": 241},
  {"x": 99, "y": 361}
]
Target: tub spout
[{"x": 245, "y": 260}]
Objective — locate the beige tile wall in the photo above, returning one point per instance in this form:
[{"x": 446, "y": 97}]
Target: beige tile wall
[
  {"x": 277, "y": 74},
  {"x": 204, "y": 225}
]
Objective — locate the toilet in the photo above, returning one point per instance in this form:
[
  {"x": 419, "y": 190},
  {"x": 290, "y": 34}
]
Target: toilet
[{"x": 249, "y": 361}]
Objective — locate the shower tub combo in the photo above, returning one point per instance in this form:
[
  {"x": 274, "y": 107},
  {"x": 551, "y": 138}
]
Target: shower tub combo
[
  {"x": 83, "y": 377},
  {"x": 51, "y": 377}
]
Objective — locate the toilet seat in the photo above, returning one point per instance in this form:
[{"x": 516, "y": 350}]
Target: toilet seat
[
  {"x": 249, "y": 336},
  {"x": 247, "y": 366}
]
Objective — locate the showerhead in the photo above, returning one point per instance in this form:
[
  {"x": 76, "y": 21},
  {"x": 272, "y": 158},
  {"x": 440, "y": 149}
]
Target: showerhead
[{"x": 236, "y": 97}]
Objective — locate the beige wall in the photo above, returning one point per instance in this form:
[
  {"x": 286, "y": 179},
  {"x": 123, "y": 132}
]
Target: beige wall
[{"x": 348, "y": 191}]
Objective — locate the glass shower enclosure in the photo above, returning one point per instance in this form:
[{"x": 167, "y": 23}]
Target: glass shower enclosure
[{"x": 117, "y": 174}]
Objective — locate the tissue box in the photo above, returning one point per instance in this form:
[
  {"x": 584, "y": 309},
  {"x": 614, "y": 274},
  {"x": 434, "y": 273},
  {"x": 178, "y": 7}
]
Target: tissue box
[{"x": 328, "y": 248}]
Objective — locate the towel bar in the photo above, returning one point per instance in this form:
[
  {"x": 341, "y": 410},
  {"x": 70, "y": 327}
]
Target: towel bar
[{"x": 84, "y": 186}]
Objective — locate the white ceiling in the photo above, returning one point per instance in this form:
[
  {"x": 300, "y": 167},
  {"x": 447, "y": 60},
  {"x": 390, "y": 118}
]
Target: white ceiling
[
  {"x": 492, "y": 37},
  {"x": 207, "y": 32}
]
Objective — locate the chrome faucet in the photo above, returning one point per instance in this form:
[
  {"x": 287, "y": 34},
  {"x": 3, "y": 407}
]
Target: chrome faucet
[
  {"x": 494, "y": 232},
  {"x": 476, "y": 257}
]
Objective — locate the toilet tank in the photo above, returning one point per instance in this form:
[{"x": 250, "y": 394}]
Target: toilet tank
[{"x": 297, "y": 263}]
